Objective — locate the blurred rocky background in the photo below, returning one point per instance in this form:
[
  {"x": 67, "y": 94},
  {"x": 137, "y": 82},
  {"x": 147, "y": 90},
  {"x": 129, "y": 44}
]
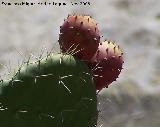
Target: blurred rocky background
[{"x": 134, "y": 99}]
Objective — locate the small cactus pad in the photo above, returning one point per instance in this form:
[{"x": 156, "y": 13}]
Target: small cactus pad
[
  {"x": 80, "y": 35},
  {"x": 106, "y": 64},
  {"x": 57, "y": 91}
]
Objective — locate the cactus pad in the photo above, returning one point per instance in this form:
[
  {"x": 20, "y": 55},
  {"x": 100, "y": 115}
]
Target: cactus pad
[{"x": 57, "y": 91}]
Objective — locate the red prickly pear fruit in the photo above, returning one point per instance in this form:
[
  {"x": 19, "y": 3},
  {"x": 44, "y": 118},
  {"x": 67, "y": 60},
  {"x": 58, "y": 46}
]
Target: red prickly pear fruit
[
  {"x": 79, "y": 35},
  {"x": 106, "y": 64}
]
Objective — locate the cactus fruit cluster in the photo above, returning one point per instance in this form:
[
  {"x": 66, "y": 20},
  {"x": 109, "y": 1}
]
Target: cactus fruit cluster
[
  {"x": 80, "y": 36},
  {"x": 60, "y": 89}
]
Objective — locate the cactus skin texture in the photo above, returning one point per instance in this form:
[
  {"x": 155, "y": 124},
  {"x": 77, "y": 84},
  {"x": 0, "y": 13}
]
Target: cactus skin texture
[
  {"x": 106, "y": 64},
  {"x": 79, "y": 34},
  {"x": 57, "y": 91}
]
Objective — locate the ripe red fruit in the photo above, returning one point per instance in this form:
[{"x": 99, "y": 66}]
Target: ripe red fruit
[
  {"x": 79, "y": 34},
  {"x": 106, "y": 64}
]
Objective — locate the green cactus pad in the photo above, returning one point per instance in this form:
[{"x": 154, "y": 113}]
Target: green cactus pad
[{"x": 57, "y": 91}]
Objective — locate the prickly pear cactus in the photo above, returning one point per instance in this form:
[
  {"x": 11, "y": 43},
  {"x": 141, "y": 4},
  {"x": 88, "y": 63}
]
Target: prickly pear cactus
[
  {"x": 79, "y": 33},
  {"x": 56, "y": 91}
]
